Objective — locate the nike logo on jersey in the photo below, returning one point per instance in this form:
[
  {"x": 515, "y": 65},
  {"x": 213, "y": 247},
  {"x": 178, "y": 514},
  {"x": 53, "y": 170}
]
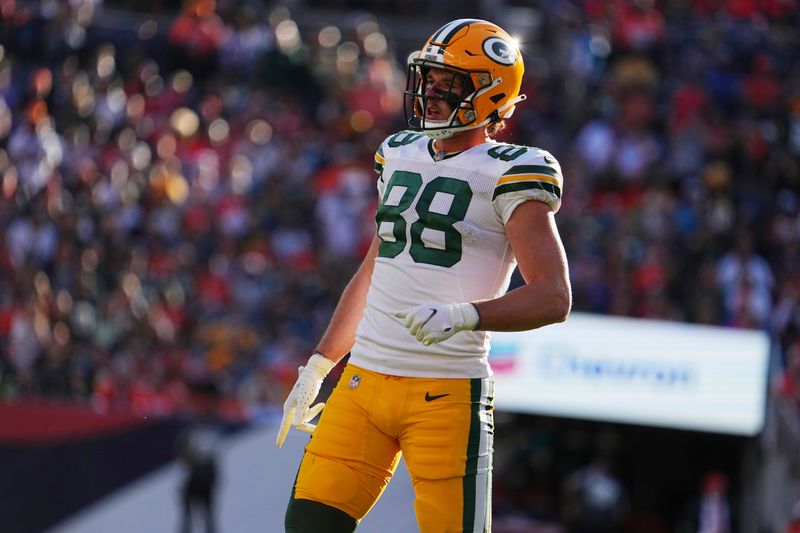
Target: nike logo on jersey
[
  {"x": 433, "y": 314},
  {"x": 430, "y": 398}
]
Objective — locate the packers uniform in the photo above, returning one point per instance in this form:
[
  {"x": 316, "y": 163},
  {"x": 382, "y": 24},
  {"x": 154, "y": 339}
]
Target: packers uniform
[{"x": 441, "y": 224}]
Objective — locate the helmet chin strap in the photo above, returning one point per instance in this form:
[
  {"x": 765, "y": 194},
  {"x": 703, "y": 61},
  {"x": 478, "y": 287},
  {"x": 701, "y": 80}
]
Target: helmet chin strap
[{"x": 440, "y": 134}]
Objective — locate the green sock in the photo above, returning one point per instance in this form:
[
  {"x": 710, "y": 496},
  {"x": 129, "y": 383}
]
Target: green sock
[{"x": 308, "y": 516}]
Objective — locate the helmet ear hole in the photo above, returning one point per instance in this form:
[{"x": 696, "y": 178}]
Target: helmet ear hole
[{"x": 497, "y": 97}]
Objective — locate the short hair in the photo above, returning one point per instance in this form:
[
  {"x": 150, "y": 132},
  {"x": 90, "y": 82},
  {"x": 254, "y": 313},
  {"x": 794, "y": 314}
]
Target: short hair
[{"x": 495, "y": 127}]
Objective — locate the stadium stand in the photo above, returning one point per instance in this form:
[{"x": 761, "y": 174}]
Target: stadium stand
[{"x": 185, "y": 188}]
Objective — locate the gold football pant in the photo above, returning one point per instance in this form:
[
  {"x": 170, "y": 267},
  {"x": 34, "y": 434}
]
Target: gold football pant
[{"x": 444, "y": 429}]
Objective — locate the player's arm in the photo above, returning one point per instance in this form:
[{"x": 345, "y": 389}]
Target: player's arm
[
  {"x": 546, "y": 297},
  {"x": 336, "y": 342},
  {"x": 340, "y": 335}
]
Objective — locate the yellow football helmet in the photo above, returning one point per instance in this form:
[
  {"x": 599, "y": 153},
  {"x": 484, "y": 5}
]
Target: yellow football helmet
[{"x": 489, "y": 64}]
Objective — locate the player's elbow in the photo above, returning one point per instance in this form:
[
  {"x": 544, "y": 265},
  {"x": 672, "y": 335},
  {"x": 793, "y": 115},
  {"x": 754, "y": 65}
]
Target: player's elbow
[
  {"x": 561, "y": 302},
  {"x": 548, "y": 305}
]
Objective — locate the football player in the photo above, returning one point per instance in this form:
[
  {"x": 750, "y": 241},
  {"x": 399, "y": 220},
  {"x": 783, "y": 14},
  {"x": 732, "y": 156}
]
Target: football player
[{"x": 458, "y": 212}]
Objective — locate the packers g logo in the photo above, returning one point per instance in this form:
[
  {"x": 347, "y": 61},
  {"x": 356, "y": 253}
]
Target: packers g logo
[{"x": 500, "y": 51}]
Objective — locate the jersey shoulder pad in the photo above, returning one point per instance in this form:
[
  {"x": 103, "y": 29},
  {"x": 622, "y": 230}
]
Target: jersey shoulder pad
[
  {"x": 528, "y": 173},
  {"x": 403, "y": 138},
  {"x": 380, "y": 160},
  {"x": 394, "y": 142},
  {"x": 528, "y": 168}
]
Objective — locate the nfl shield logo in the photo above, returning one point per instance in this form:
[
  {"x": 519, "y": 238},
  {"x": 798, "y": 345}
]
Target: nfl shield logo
[{"x": 355, "y": 381}]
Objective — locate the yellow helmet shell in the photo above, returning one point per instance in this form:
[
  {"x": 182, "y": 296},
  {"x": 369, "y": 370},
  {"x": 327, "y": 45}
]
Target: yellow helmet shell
[{"x": 483, "y": 52}]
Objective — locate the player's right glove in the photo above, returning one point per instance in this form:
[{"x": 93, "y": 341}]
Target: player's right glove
[{"x": 297, "y": 410}]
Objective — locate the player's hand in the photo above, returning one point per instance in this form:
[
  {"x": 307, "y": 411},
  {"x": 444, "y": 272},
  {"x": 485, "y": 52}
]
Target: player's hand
[
  {"x": 297, "y": 410},
  {"x": 431, "y": 323}
]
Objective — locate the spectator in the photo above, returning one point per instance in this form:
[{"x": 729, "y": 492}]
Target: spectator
[
  {"x": 746, "y": 281},
  {"x": 197, "y": 450},
  {"x": 197, "y": 33},
  {"x": 711, "y": 511},
  {"x": 794, "y": 519},
  {"x": 594, "y": 500}
]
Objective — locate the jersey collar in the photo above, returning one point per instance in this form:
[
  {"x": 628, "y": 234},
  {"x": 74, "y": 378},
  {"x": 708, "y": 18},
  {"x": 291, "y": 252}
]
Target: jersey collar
[{"x": 440, "y": 156}]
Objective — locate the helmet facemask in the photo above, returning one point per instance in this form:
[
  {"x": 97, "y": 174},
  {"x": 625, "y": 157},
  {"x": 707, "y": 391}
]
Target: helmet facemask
[{"x": 457, "y": 94}]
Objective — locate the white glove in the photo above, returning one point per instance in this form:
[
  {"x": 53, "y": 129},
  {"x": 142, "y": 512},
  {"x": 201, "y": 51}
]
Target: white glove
[
  {"x": 296, "y": 410},
  {"x": 431, "y": 323}
]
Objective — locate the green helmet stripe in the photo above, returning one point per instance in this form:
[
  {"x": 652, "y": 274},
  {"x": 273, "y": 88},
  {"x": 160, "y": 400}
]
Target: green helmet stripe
[{"x": 449, "y": 30}]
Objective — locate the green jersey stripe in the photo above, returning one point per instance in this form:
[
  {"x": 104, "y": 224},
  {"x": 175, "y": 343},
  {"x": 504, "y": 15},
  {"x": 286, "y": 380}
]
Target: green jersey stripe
[
  {"x": 526, "y": 185},
  {"x": 473, "y": 449},
  {"x": 532, "y": 169}
]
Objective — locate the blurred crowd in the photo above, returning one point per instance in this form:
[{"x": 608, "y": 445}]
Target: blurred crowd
[
  {"x": 182, "y": 201},
  {"x": 184, "y": 194}
]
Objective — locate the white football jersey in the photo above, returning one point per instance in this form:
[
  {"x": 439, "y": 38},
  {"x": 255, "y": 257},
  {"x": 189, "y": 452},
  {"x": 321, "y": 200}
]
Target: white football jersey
[{"x": 441, "y": 224}]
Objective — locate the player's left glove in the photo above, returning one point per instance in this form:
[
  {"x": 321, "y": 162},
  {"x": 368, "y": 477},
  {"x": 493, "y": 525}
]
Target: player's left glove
[
  {"x": 297, "y": 410},
  {"x": 431, "y": 323}
]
